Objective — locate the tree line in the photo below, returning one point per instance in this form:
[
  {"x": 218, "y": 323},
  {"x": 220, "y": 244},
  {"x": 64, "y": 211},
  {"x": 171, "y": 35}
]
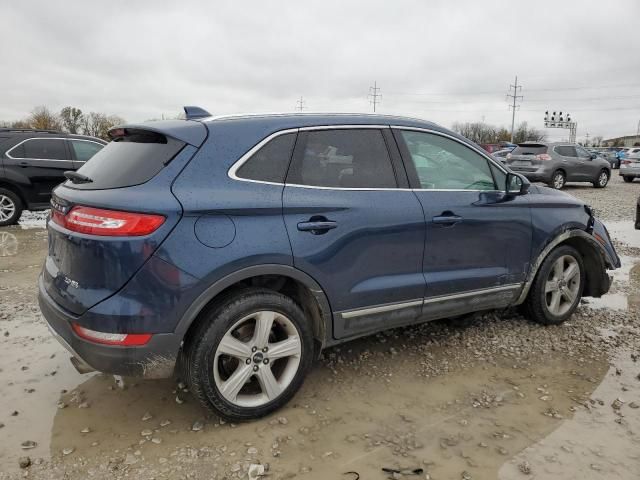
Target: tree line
[
  {"x": 69, "y": 119},
  {"x": 481, "y": 132}
]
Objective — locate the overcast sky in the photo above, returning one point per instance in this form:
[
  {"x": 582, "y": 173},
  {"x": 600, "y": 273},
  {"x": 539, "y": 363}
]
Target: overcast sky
[{"x": 442, "y": 61}]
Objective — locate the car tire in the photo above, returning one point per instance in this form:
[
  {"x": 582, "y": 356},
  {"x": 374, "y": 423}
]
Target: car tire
[
  {"x": 228, "y": 347},
  {"x": 10, "y": 207},
  {"x": 553, "y": 297},
  {"x": 602, "y": 180},
  {"x": 558, "y": 180},
  {"x": 627, "y": 178}
]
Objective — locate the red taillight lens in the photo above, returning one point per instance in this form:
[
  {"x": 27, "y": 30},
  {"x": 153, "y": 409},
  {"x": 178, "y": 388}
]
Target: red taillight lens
[
  {"x": 543, "y": 156},
  {"x": 625, "y": 162},
  {"x": 104, "y": 338},
  {"x": 96, "y": 221}
]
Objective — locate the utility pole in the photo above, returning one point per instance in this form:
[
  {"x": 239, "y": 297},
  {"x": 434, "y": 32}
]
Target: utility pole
[
  {"x": 300, "y": 104},
  {"x": 638, "y": 131},
  {"x": 586, "y": 141},
  {"x": 373, "y": 93},
  {"x": 513, "y": 106}
]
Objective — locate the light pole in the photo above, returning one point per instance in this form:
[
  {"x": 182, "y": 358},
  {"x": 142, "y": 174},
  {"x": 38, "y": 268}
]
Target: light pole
[{"x": 638, "y": 131}]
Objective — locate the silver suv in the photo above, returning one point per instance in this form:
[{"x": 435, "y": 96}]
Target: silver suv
[{"x": 559, "y": 163}]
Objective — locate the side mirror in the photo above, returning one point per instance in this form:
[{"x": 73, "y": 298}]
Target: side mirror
[
  {"x": 593, "y": 156},
  {"x": 517, "y": 184}
]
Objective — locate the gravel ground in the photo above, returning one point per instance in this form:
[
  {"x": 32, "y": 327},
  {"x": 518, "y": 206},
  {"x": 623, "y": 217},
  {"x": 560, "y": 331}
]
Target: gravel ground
[{"x": 489, "y": 396}]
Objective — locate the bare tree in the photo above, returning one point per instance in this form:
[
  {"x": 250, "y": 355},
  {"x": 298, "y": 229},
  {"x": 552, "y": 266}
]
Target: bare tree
[
  {"x": 98, "y": 124},
  {"x": 597, "y": 141},
  {"x": 525, "y": 133},
  {"x": 72, "y": 119},
  {"x": 43, "y": 119}
]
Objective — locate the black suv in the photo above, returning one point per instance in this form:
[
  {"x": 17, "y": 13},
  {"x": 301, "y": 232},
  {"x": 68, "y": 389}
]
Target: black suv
[{"x": 33, "y": 162}]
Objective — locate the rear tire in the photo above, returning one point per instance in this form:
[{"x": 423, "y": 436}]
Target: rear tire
[
  {"x": 627, "y": 179},
  {"x": 10, "y": 207},
  {"x": 602, "y": 180},
  {"x": 233, "y": 368},
  {"x": 557, "y": 288},
  {"x": 558, "y": 180}
]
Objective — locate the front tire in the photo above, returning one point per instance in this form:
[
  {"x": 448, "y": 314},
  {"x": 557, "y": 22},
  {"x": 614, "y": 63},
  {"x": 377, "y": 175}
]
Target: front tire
[
  {"x": 627, "y": 179},
  {"x": 602, "y": 180},
  {"x": 558, "y": 180},
  {"x": 250, "y": 355},
  {"x": 10, "y": 207},
  {"x": 557, "y": 287}
]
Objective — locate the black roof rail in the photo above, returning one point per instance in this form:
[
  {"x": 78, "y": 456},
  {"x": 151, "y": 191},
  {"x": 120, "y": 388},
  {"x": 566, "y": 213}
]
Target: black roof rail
[
  {"x": 193, "y": 112},
  {"x": 34, "y": 130}
]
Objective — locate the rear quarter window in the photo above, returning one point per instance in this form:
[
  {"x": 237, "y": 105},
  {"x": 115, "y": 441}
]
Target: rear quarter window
[
  {"x": 128, "y": 160},
  {"x": 270, "y": 163}
]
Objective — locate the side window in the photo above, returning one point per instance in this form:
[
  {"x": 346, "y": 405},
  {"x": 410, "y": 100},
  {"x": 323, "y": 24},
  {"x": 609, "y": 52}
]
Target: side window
[
  {"x": 41, "y": 148},
  {"x": 84, "y": 150},
  {"x": 444, "y": 164},
  {"x": 566, "y": 151},
  {"x": 270, "y": 163},
  {"x": 348, "y": 158},
  {"x": 499, "y": 176},
  {"x": 582, "y": 152}
]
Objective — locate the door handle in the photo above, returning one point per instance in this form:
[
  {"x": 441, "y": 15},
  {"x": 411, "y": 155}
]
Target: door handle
[
  {"x": 446, "y": 219},
  {"x": 24, "y": 164},
  {"x": 317, "y": 226}
]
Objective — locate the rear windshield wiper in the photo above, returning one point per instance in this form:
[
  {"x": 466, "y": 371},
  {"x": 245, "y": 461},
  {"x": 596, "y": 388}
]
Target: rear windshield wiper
[{"x": 76, "y": 177}]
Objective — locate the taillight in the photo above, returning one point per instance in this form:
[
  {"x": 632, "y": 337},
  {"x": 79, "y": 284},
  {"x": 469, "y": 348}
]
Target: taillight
[
  {"x": 543, "y": 156},
  {"x": 104, "y": 338},
  {"x": 97, "y": 221},
  {"x": 625, "y": 162}
]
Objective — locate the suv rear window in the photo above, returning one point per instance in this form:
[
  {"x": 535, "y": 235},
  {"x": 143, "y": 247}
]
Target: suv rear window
[
  {"x": 529, "y": 149},
  {"x": 130, "y": 159}
]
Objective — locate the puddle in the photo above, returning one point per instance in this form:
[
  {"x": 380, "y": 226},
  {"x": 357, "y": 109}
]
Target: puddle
[
  {"x": 625, "y": 232},
  {"x": 601, "y": 441}
]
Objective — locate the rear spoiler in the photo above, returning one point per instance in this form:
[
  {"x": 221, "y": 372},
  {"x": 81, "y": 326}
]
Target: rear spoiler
[{"x": 193, "y": 133}]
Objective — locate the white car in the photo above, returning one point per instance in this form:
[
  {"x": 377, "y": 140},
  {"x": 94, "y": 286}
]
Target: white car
[{"x": 630, "y": 166}]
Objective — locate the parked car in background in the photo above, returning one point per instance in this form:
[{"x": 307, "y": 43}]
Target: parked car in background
[
  {"x": 33, "y": 162},
  {"x": 501, "y": 155},
  {"x": 611, "y": 157},
  {"x": 558, "y": 163},
  {"x": 630, "y": 167},
  {"x": 495, "y": 147},
  {"x": 234, "y": 249}
]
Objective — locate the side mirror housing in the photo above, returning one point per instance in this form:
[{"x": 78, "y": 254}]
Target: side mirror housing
[
  {"x": 593, "y": 156},
  {"x": 517, "y": 184}
]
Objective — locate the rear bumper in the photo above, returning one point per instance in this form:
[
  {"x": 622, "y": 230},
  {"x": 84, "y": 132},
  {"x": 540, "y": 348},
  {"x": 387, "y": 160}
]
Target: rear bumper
[
  {"x": 629, "y": 172},
  {"x": 156, "y": 359}
]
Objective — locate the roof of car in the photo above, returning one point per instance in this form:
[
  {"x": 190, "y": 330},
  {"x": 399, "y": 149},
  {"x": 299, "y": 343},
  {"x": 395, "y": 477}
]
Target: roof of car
[
  {"x": 33, "y": 132},
  {"x": 192, "y": 131}
]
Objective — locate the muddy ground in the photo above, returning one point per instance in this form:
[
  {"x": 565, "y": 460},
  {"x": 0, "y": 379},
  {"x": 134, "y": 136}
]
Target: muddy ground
[{"x": 491, "y": 397}]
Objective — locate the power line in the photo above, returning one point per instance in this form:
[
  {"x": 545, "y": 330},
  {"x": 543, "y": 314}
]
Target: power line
[
  {"x": 374, "y": 95},
  {"x": 300, "y": 106},
  {"x": 514, "y": 106}
]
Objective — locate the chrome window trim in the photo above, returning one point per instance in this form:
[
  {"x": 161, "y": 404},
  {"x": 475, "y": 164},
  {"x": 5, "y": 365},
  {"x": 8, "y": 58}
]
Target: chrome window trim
[
  {"x": 381, "y": 308},
  {"x": 426, "y": 301},
  {"x": 7, "y": 153},
  {"x": 232, "y": 173}
]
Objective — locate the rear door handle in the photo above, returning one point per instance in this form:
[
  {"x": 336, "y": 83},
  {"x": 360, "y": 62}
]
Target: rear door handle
[
  {"x": 24, "y": 164},
  {"x": 446, "y": 220},
  {"x": 317, "y": 227}
]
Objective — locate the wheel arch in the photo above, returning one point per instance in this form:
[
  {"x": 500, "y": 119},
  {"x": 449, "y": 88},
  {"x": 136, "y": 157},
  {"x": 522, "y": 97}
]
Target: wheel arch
[
  {"x": 593, "y": 258},
  {"x": 285, "y": 279}
]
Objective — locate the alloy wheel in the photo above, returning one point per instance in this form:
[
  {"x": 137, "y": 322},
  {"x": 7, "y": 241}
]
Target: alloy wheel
[
  {"x": 603, "y": 179},
  {"x": 257, "y": 359},
  {"x": 7, "y": 208},
  {"x": 558, "y": 181},
  {"x": 562, "y": 285}
]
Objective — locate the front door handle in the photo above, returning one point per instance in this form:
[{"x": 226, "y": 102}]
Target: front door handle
[
  {"x": 317, "y": 225},
  {"x": 24, "y": 164},
  {"x": 446, "y": 219}
]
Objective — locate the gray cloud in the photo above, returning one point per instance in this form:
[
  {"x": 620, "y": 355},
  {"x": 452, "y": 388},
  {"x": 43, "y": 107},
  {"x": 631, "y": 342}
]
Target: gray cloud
[{"x": 443, "y": 61}]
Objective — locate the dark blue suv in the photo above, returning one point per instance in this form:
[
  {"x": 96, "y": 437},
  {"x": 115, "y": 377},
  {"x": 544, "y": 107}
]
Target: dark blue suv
[{"x": 231, "y": 250}]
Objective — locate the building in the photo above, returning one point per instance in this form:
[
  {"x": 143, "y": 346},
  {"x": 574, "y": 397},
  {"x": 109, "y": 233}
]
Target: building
[{"x": 627, "y": 141}]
